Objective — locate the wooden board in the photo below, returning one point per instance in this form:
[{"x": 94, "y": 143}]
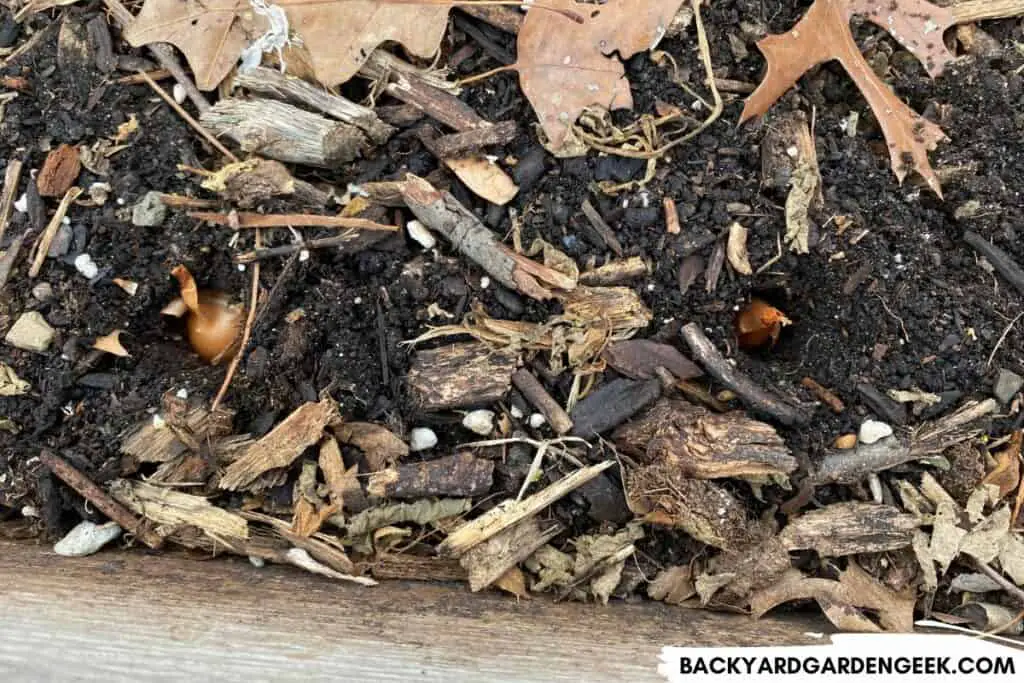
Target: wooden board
[{"x": 130, "y": 616}]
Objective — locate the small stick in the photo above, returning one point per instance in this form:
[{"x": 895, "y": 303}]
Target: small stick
[
  {"x": 99, "y": 498},
  {"x": 187, "y": 117},
  {"x": 11, "y": 178},
  {"x": 448, "y": 146},
  {"x": 135, "y": 79},
  {"x": 749, "y": 392},
  {"x": 10, "y": 256},
  {"x": 671, "y": 216},
  {"x": 824, "y": 395},
  {"x": 1015, "y": 592},
  {"x": 246, "y": 331},
  {"x": 247, "y": 219},
  {"x": 43, "y": 245},
  {"x": 1000, "y": 260},
  {"x": 602, "y": 228},
  {"x": 180, "y": 201},
  {"x": 537, "y": 395}
]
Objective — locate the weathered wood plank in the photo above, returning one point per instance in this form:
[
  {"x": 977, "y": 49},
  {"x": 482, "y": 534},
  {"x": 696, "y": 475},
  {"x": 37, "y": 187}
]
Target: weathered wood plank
[{"x": 129, "y": 616}]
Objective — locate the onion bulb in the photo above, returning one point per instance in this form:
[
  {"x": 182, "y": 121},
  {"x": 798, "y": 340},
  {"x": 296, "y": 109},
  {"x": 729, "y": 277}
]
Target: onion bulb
[
  {"x": 758, "y": 323},
  {"x": 213, "y": 324}
]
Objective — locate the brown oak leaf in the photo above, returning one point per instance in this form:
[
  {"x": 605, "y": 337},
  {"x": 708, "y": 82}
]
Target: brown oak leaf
[
  {"x": 338, "y": 35},
  {"x": 823, "y": 34},
  {"x": 567, "y": 56}
]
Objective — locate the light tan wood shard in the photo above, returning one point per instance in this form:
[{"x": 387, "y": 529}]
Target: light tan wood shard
[{"x": 167, "y": 507}]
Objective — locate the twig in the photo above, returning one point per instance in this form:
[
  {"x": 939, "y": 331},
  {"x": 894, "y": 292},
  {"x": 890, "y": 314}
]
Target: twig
[
  {"x": 246, "y": 219},
  {"x": 11, "y": 178},
  {"x": 187, "y": 117},
  {"x": 99, "y": 498},
  {"x": 10, "y": 256},
  {"x": 824, "y": 395},
  {"x": 135, "y": 79},
  {"x": 671, "y": 216},
  {"x": 536, "y": 394},
  {"x": 1000, "y": 260},
  {"x": 1015, "y": 592},
  {"x": 180, "y": 201},
  {"x": 750, "y": 393},
  {"x": 602, "y": 228},
  {"x": 1002, "y": 338},
  {"x": 977, "y": 10},
  {"x": 43, "y": 245},
  {"x": 246, "y": 331},
  {"x": 164, "y": 55}
]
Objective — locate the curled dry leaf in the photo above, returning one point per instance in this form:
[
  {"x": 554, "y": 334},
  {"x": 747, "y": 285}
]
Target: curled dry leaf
[
  {"x": 111, "y": 343},
  {"x": 567, "y": 57},
  {"x": 736, "y": 249},
  {"x": 758, "y": 323},
  {"x": 484, "y": 178},
  {"x": 824, "y": 34},
  {"x": 1006, "y": 474}
]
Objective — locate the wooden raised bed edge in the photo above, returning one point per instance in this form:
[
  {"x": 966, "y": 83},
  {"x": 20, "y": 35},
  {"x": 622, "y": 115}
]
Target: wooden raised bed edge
[{"x": 133, "y": 615}]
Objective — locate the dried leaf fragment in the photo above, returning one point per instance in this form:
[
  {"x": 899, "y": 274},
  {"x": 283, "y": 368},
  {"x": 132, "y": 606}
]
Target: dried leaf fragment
[
  {"x": 736, "y": 249},
  {"x": 10, "y": 383},
  {"x": 1006, "y": 474},
  {"x": 484, "y": 178},
  {"x": 59, "y": 171},
  {"x": 381, "y": 447},
  {"x": 111, "y": 343}
]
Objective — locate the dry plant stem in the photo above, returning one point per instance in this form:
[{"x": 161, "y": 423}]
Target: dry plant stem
[
  {"x": 244, "y": 219},
  {"x": 537, "y": 395},
  {"x": 273, "y": 82},
  {"x": 164, "y": 55},
  {"x": 1000, "y": 260},
  {"x": 11, "y": 178},
  {"x": 602, "y": 228},
  {"x": 750, "y": 393},
  {"x": 1014, "y": 591},
  {"x": 43, "y": 245},
  {"x": 99, "y": 498},
  {"x": 452, "y": 145},
  {"x": 10, "y": 256},
  {"x": 135, "y": 79},
  {"x": 246, "y": 331},
  {"x": 977, "y": 10},
  {"x": 187, "y": 117}
]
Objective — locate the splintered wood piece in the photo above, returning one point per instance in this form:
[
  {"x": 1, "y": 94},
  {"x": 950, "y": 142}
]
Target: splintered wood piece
[
  {"x": 405, "y": 567},
  {"x": 165, "y": 506},
  {"x": 379, "y": 444},
  {"x": 850, "y": 529},
  {"x": 459, "y": 376},
  {"x": 283, "y": 132},
  {"x": 750, "y": 393},
  {"x": 459, "y": 476},
  {"x": 824, "y": 34},
  {"x": 571, "y": 58},
  {"x": 616, "y": 272},
  {"x": 539, "y": 398},
  {"x": 474, "y": 140},
  {"x": 12, "y": 175},
  {"x": 511, "y": 511},
  {"x": 272, "y": 82},
  {"x": 285, "y": 442},
  {"x": 251, "y": 182},
  {"x": 488, "y": 561},
  {"x": 704, "y": 445},
  {"x": 442, "y": 213}
]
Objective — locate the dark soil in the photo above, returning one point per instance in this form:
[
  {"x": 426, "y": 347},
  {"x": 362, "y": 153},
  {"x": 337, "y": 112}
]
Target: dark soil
[{"x": 928, "y": 314}]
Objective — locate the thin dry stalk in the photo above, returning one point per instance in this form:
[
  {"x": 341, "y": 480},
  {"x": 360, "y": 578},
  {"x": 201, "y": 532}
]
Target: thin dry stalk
[
  {"x": 246, "y": 331},
  {"x": 244, "y": 219},
  {"x": 11, "y": 178},
  {"x": 187, "y": 117},
  {"x": 43, "y": 245}
]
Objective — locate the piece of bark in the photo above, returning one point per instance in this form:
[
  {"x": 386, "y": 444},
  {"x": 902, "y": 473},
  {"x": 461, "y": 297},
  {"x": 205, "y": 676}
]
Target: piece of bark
[
  {"x": 824, "y": 395},
  {"x": 458, "y": 476},
  {"x": 283, "y": 132},
  {"x": 702, "y": 444},
  {"x": 511, "y": 512},
  {"x": 639, "y": 358},
  {"x": 12, "y": 176},
  {"x": 184, "y": 428},
  {"x": 279, "y": 448},
  {"x": 256, "y": 180},
  {"x": 534, "y": 392},
  {"x": 602, "y": 228},
  {"x": 442, "y": 213},
  {"x": 342, "y": 482},
  {"x": 489, "y": 560},
  {"x": 459, "y": 376},
  {"x": 272, "y": 82},
  {"x": 850, "y": 528},
  {"x": 99, "y": 37},
  {"x": 716, "y": 262},
  {"x": 746, "y": 389},
  {"x": 1000, "y": 260},
  {"x": 75, "y": 55},
  {"x": 166, "y": 507},
  {"x": 886, "y": 408},
  {"x": 455, "y": 144},
  {"x": 381, "y": 447},
  {"x": 9, "y": 257},
  {"x": 405, "y": 567},
  {"x": 616, "y": 272},
  {"x": 508, "y": 19},
  {"x": 750, "y": 569},
  {"x": 612, "y": 404},
  {"x": 59, "y": 171}
]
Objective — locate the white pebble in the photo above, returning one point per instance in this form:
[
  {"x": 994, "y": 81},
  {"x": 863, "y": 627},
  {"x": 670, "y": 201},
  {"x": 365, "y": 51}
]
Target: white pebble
[
  {"x": 516, "y": 412},
  {"x": 181, "y": 393},
  {"x": 86, "y": 266},
  {"x": 30, "y": 511},
  {"x": 179, "y": 93},
  {"x": 875, "y": 485},
  {"x": 158, "y": 421},
  {"x": 419, "y": 232},
  {"x": 479, "y": 422},
  {"x": 86, "y": 538},
  {"x": 485, "y": 282},
  {"x": 872, "y": 431},
  {"x": 422, "y": 438},
  {"x": 21, "y": 204},
  {"x": 537, "y": 420},
  {"x": 257, "y": 562}
]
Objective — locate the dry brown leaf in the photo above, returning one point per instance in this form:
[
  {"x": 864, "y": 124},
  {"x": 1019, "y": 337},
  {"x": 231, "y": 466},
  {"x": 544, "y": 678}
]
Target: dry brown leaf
[
  {"x": 1006, "y": 474},
  {"x": 824, "y": 35},
  {"x": 567, "y": 58},
  {"x": 673, "y": 585},
  {"x": 736, "y": 249},
  {"x": 484, "y": 178},
  {"x": 338, "y": 36},
  {"x": 111, "y": 343},
  {"x": 59, "y": 171}
]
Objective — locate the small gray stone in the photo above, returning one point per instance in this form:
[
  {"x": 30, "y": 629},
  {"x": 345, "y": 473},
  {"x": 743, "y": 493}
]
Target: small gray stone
[
  {"x": 872, "y": 431},
  {"x": 149, "y": 212},
  {"x": 422, "y": 438},
  {"x": 1007, "y": 385},
  {"x": 42, "y": 292},
  {"x": 61, "y": 241},
  {"x": 31, "y": 333}
]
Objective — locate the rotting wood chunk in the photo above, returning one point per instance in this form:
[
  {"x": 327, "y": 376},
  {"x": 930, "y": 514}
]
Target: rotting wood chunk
[
  {"x": 460, "y": 475},
  {"x": 459, "y": 376},
  {"x": 679, "y": 435}
]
